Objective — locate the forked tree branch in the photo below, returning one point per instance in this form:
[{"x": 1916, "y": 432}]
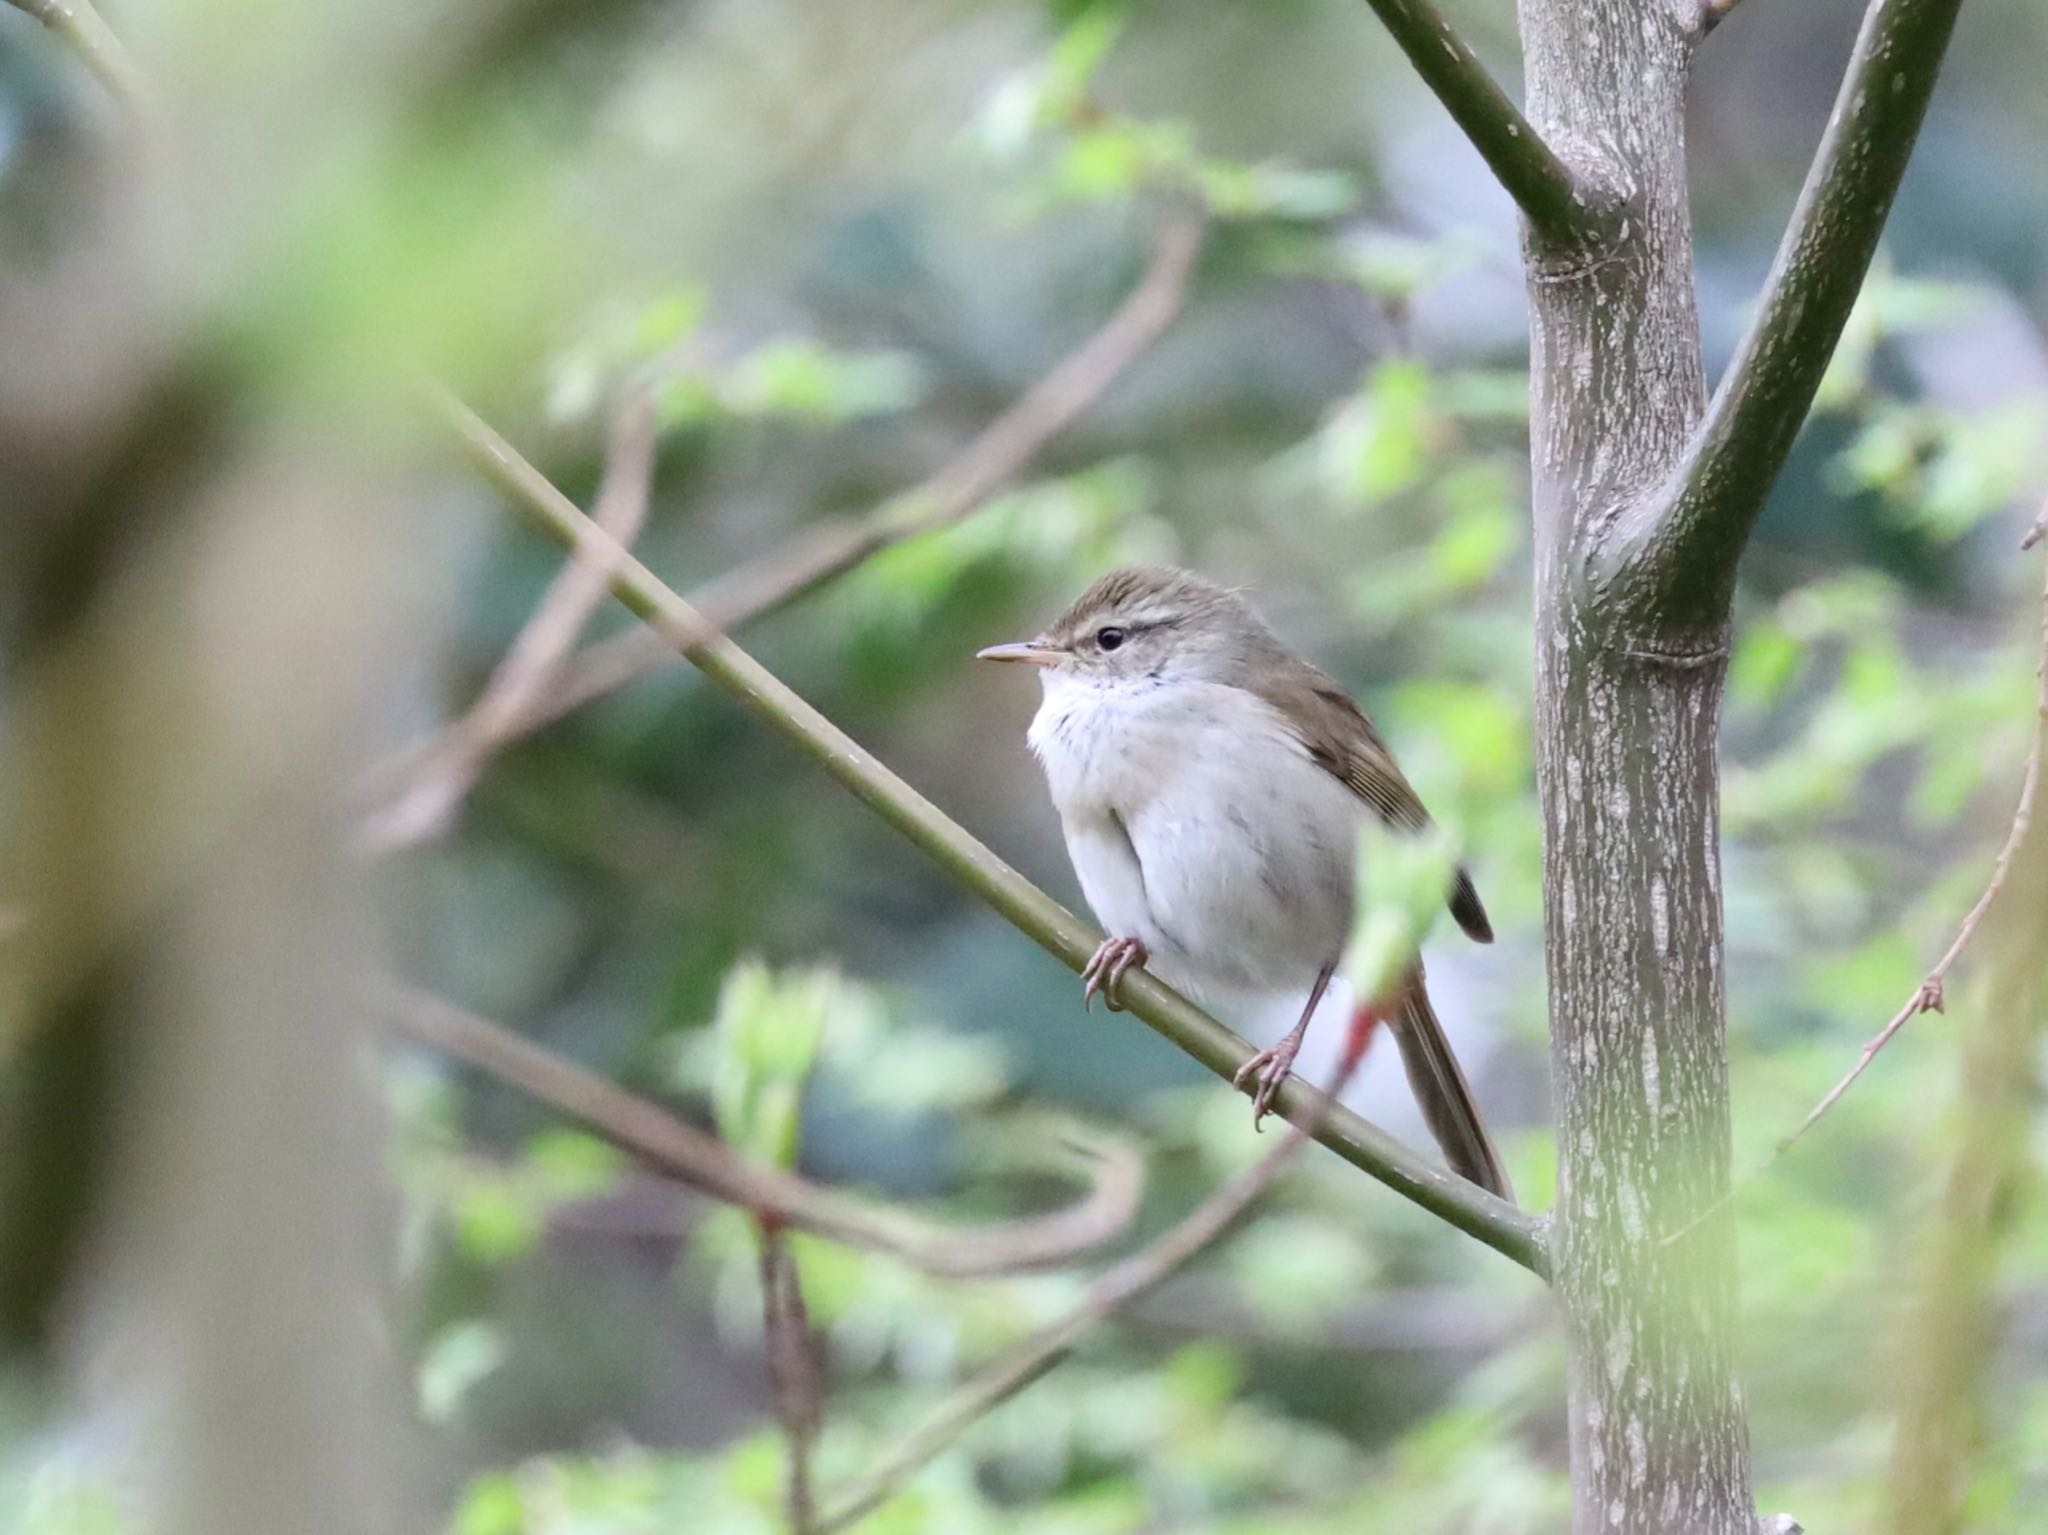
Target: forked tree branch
[
  {"x": 1676, "y": 557},
  {"x": 704, "y": 1162},
  {"x": 1115, "y": 1289},
  {"x": 990, "y": 461},
  {"x": 1542, "y": 185},
  {"x": 1493, "y": 1221}
]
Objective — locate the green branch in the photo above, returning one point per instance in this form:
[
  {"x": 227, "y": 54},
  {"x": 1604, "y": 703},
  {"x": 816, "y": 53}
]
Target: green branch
[
  {"x": 1678, "y": 557},
  {"x": 1056, "y": 930},
  {"x": 1541, "y": 184},
  {"x": 79, "y": 25}
]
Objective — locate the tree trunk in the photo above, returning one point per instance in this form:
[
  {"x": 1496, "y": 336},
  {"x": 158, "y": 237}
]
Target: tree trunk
[{"x": 1627, "y": 705}]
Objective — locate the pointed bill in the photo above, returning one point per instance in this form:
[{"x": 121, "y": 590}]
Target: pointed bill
[{"x": 1030, "y": 652}]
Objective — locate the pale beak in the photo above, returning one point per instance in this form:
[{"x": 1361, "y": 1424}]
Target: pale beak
[{"x": 1030, "y": 652}]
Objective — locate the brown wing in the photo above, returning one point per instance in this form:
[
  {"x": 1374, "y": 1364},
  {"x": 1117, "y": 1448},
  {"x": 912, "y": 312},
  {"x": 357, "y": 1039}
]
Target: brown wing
[{"x": 1340, "y": 737}]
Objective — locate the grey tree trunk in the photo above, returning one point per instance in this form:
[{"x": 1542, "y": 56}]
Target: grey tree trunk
[
  {"x": 1627, "y": 704},
  {"x": 1644, "y": 494}
]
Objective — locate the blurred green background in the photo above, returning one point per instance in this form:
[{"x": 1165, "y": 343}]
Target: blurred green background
[{"x": 839, "y": 239}]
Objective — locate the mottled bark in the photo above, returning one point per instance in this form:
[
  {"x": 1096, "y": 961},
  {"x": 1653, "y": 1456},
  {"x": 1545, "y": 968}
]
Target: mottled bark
[
  {"x": 1626, "y": 717},
  {"x": 1641, "y": 510}
]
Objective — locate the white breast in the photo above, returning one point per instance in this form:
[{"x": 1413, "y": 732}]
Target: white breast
[{"x": 1199, "y": 823}]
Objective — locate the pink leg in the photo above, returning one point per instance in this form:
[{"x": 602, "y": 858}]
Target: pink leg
[
  {"x": 1105, "y": 972},
  {"x": 1268, "y": 1069}
]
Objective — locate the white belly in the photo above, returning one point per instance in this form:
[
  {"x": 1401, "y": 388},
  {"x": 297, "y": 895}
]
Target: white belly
[{"x": 1198, "y": 823}]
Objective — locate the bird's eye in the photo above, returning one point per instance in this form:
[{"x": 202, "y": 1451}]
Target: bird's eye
[{"x": 1109, "y": 638}]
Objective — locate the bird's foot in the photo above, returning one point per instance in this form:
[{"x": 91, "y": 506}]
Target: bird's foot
[
  {"x": 1266, "y": 1072},
  {"x": 1105, "y": 972}
]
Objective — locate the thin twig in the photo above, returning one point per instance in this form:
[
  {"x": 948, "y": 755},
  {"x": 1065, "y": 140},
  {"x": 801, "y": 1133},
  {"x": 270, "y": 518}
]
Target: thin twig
[
  {"x": 1947, "y": 1296},
  {"x": 991, "y": 460},
  {"x": 1928, "y": 996},
  {"x": 88, "y": 35},
  {"x": 794, "y": 1375},
  {"x": 527, "y": 674},
  {"x": 1116, "y": 1288},
  {"x": 1512, "y": 1232},
  {"x": 704, "y": 1162}
]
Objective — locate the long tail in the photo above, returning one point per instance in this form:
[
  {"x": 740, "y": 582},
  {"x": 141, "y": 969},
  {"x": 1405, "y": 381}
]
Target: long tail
[{"x": 1443, "y": 1093}]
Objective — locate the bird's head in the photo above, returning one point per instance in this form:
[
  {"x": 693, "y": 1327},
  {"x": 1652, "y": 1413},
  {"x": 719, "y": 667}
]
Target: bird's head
[{"x": 1146, "y": 623}]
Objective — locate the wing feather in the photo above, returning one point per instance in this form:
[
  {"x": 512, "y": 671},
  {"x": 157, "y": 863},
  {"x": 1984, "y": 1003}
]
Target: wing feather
[{"x": 1342, "y": 740}]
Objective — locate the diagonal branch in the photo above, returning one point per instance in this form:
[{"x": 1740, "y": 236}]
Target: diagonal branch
[
  {"x": 88, "y": 35},
  {"x": 1493, "y": 1221},
  {"x": 704, "y": 1162},
  {"x": 1129, "y": 1280},
  {"x": 989, "y": 462},
  {"x": 1678, "y": 556},
  {"x": 1542, "y": 185},
  {"x": 528, "y": 673}
]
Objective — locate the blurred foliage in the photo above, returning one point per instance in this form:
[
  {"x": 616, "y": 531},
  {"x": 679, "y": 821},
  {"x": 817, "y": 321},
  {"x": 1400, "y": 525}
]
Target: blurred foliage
[{"x": 837, "y": 240}]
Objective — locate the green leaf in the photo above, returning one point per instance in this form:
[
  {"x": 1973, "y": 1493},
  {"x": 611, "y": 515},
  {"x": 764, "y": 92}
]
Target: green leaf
[
  {"x": 1767, "y": 658},
  {"x": 1377, "y": 445},
  {"x": 1402, "y": 878},
  {"x": 1270, "y": 190},
  {"x": 1952, "y": 770},
  {"x": 1205, "y": 1375},
  {"x": 1298, "y": 1270},
  {"x": 1104, "y": 163},
  {"x": 458, "y": 1358},
  {"x": 1485, "y": 394},
  {"x": 769, "y": 1030},
  {"x": 573, "y": 1165},
  {"x": 1470, "y": 549},
  {"x": 1077, "y": 54},
  {"x": 492, "y": 1506},
  {"x": 496, "y": 1219},
  {"x": 668, "y": 321},
  {"x": 808, "y": 381}
]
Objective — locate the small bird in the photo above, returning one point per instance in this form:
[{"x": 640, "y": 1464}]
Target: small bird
[{"x": 1210, "y": 783}]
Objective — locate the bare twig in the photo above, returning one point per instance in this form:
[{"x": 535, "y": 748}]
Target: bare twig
[
  {"x": 88, "y": 35},
  {"x": 1949, "y": 1303},
  {"x": 793, "y": 1369},
  {"x": 994, "y": 458},
  {"x": 1512, "y": 1232},
  {"x": 1116, "y": 1288},
  {"x": 441, "y": 781},
  {"x": 704, "y": 1162},
  {"x": 1928, "y": 996}
]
